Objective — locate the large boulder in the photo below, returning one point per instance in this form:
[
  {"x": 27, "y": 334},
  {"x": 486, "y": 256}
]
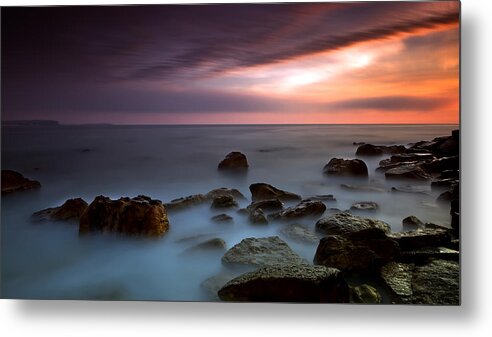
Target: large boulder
[
  {"x": 288, "y": 283},
  {"x": 13, "y": 181},
  {"x": 344, "y": 223},
  {"x": 234, "y": 161},
  {"x": 260, "y": 252},
  {"x": 346, "y": 167},
  {"x": 305, "y": 208},
  {"x": 362, "y": 252},
  {"x": 136, "y": 216},
  {"x": 262, "y": 191},
  {"x": 423, "y": 237},
  {"x": 72, "y": 209},
  {"x": 436, "y": 282},
  {"x": 185, "y": 202}
]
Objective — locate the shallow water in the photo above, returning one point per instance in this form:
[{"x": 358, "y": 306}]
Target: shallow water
[{"x": 49, "y": 260}]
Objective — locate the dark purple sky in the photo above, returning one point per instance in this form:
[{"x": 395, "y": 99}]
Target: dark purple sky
[{"x": 212, "y": 63}]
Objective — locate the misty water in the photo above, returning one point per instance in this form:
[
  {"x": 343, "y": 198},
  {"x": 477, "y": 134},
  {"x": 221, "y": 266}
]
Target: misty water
[{"x": 48, "y": 260}]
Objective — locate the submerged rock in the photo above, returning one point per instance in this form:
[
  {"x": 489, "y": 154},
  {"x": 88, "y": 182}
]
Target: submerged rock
[
  {"x": 412, "y": 189},
  {"x": 223, "y": 191},
  {"x": 364, "y": 251},
  {"x": 304, "y": 209},
  {"x": 412, "y": 222},
  {"x": 365, "y": 206},
  {"x": 300, "y": 233},
  {"x": 408, "y": 171},
  {"x": 262, "y": 191},
  {"x": 346, "y": 167},
  {"x": 234, "y": 161},
  {"x": 344, "y": 223},
  {"x": 211, "y": 244},
  {"x": 213, "y": 284},
  {"x": 323, "y": 197},
  {"x": 191, "y": 200},
  {"x": 288, "y": 283},
  {"x": 72, "y": 209},
  {"x": 13, "y": 181},
  {"x": 257, "y": 216},
  {"x": 267, "y": 251},
  {"x": 222, "y": 218},
  {"x": 137, "y": 216},
  {"x": 266, "y": 205},
  {"x": 225, "y": 201},
  {"x": 362, "y": 188}
]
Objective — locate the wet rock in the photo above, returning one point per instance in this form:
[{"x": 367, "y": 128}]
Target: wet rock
[
  {"x": 211, "y": 244},
  {"x": 137, "y": 216},
  {"x": 346, "y": 167},
  {"x": 344, "y": 223},
  {"x": 424, "y": 189},
  {"x": 412, "y": 222},
  {"x": 257, "y": 216},
  {"x": 365, "y": 294},
  {"x": 234, "y": 161},
  {"x": 213, "y": 284},
  {"x": 455, "y": 214},
  {"x": 262, "y": 191},
  {"x": 363, "y": 252},
  {"x": 411, "y": 157},
  {"x": 221, "y": 218},
  {"x": 422, "y": 255},
  {"x": 378, "y": 150},
  {"x": 223, "y": 191},
  {"x": 442, "y": 164},
  {"x": 323, "y": 197},
  {"x": 443, "y": 183},
  {"x": 260, "y": 252},
  {"x": 13, "y": 181},
  {"x": 362, "y": 188},
  {"x": 288, "y": 283},
  {"x": 437, "y": 283},
  {"x": 409, "y": 171},
  {"x": 300, "y": 233},
  {"x": 398, "y": 277},
  {"x": 305, "y": 208},
  {"x": 456, "y": 135},
  {"x": 364, "y": 206},
  {"x": 185, "y": 202},
  {"x": 225, "y": 201},
  {"x": 420, "y": 238},
  {"x": 72, "y": 209},
  {"x": 450, "y": 174},
  {"x": 387, "y": 164},
  {"x": 266, "y": 205}
]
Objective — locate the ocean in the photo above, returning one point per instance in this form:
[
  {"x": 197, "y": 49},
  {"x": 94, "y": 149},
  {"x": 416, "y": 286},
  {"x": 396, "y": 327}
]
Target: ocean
[{"x": 48, "y": 260}]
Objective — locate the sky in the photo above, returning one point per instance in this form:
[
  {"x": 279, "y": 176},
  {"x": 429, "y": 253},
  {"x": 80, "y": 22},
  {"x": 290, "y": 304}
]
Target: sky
[{"x": 356, "y": 62}]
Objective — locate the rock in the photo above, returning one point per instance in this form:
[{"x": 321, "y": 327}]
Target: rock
[
  {"x": 449, "y": 147},
  {"x": 455, "y": 214},
  {"x": 72, "y": 209},
  {"x": 344, "y": 223},
  {"x": 437, "y": 283},
  {"x": 213, "y": 284},
  {"x": 443, "y": 183},
  {"x": 456, "y": 135},
  {"x": 220, "y": 218},
  {"x": 412, "y": 189},
  {"x": 211, "y": 244},
  {"x": 288, "y": 283},
  {"x": 361, "y": 252},
  {"x": 358, "y": 143},
  {"x": 362, "y": 188},
  {"x": 262, "y": 191},
  {"x": 305, "y": 208},
  {"x": 137, "y": 216},
  {"x": 191, "y": 200},
  {"x": 427, "y": 237},
  {"x": 220, "y": 192},
  {"x": 323, "y": 197},
  {"x": 378, "y": 150},
  {"x": 412, "y": 222},
  {"x": 364, "y": 294},
  {"x": 300, "y": 233},
  {"x": 234, "y": 161},
  {"x": 450, "y": 174},
  {"x": 444, "y": 198},
  {"x": 411, "y": 157},
  {"x": 13, "y": 181},
  {"x": 260, "y": 252},
  {"x": 257, "y": 216},
  {"x": 398, "y": 277},
  {"x": 409, "y": 171},
  {"x": 442, "y": 164},
  {"x": 225, "y": 201},
  {"x": 365, "y": 206},
  {"x": 346, "y": 167},
  {"x": 423, "y": 255},
  {"x": 266, "y": 205},
  {"x": 387, "y": 164}
]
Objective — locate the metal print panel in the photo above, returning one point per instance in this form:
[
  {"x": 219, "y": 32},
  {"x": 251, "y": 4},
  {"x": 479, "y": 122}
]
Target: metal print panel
[{"x": 301, "y": 152}]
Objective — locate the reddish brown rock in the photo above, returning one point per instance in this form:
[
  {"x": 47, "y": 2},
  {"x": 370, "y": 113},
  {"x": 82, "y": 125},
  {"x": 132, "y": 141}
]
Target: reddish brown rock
[
  {"x": 13, "y": 181},
  {"x": 234, "y": 161},
  {"x": 72, "y": 209}
]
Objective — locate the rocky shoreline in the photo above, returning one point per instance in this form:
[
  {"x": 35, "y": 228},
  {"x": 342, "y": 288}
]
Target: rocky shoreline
[{"x": 417, "y": 266}]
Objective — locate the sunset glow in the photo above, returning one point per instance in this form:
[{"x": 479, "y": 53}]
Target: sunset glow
[{"x": 394, "y": 62}]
